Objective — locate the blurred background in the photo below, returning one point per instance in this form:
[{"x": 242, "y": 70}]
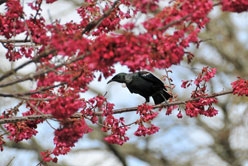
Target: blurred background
[{"x": 220, "y": 140}]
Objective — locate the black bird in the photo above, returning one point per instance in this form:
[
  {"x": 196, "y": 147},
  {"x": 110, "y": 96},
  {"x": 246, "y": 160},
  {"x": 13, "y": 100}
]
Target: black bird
[{"x": 144, "y": 84}]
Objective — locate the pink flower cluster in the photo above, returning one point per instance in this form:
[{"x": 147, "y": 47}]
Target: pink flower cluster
[
  {"x": 206, "y": 74},
  {"x": 235, "y": 5},
  {"x": 146, "y": 112},
  {"x": 12, "y": 23},
  {"x": 240, "y": 87},
  {"x": 68, "y": 134},
  {"x": 47, "y": 156},
  {"x": 21, "y": 130},
  {"x": 95, "y": 105},
  {"x": 143, "y": 131},
  {"x": 117, "y": 130},
  {"x": 201, "y": 104},
  {"x": 146, "y": 116},
  {"x": 102, "y": 104},
  {"x": 155, "y": 48},
  {"x": 116, "y": 127},
  {"x": 169, "y": 109},
  {"x": 200, "y": 82},
  {"x": 203, "y": 107},
  {"x": 145, "y": 6}
]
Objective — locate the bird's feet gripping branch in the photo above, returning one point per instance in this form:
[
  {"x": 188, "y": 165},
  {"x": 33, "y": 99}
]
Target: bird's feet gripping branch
[{"x": 145, "y": 84}]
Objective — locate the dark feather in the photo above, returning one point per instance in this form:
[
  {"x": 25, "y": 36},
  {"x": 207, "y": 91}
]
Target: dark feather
[{"x": 144, "y": 84}]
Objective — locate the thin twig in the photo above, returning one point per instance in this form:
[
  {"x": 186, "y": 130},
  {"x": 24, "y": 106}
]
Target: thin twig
[
  {"x": 11, "y": 72},
  {"x": 95, "y": 23},
  {"x": 175, "y": 22}
]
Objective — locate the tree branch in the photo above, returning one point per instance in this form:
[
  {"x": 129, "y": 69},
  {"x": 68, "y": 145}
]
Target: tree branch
[
  {"x": 9, "y": 73},
  {"x": 32, "y": 76},
  {"x": 117, "y": 111},
  {"x": 40, "y": 73},
  {"x": 14, "y": 41},
  {"x": 95, "y": 23}
]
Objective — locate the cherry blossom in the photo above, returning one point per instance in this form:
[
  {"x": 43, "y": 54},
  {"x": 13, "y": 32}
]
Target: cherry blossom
[
  {"x": 240, "y": 87},
  {"x": 234, "y": 6}
]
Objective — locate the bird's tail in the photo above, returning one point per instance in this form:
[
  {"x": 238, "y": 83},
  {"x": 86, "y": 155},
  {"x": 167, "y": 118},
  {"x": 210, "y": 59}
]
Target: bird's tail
[{"x": 161, "y": 96}]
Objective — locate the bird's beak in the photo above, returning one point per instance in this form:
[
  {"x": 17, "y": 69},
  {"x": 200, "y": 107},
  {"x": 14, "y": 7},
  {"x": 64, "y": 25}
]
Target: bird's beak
[{"x": 109, "y": 81}]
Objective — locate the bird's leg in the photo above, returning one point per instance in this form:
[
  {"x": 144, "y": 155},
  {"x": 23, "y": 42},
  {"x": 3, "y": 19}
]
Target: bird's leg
[
  {"x": 165, "y": 102},
  {"x": 162, "y": 96}
]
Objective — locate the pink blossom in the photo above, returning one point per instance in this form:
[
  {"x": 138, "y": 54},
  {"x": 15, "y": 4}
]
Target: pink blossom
[
  {"x": 179, "y": 115},
  {"x": 21, "y": 130},
  {"x": 46, "y": 156},
  {"x": 143, "y": 131},
  {"x": 240, "y": 87},
  {"x": 235, "y": 5},
  {"x": 146, "y": 112},
  {"x": 117, "y": 128},
  {"x": 73, "y": 129}
]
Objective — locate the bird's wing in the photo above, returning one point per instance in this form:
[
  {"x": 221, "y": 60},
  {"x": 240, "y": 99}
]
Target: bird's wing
[{"x": 151, "y": 78}]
